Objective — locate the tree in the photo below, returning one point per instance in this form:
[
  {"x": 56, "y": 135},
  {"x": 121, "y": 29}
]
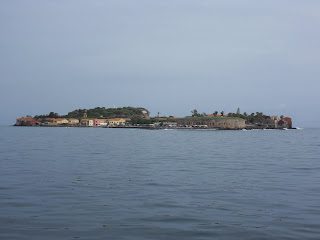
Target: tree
[
  {"x": 245, "y": 114},
  {"x": 195, "y": 113},
  {"x": 215, "y": 113},
  {"x": 222, "y": 113},
  {"x": 102, "y": 112},
  {"x": 53, "y": 115}
]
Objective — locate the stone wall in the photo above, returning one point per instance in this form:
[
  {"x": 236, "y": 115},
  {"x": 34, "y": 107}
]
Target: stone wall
[{"x": 218, "y": 123}]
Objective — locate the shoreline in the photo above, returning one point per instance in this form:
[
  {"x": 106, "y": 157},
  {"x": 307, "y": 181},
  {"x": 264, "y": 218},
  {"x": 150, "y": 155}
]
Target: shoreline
[{"x": 161, "y": 128}]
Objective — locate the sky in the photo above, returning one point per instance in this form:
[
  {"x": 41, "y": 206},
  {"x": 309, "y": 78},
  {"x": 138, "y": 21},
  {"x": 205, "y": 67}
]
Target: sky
[{"x": 169, "y": 56}]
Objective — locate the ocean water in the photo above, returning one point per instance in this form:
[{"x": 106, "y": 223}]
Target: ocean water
[{"x": 89, "y": 183}]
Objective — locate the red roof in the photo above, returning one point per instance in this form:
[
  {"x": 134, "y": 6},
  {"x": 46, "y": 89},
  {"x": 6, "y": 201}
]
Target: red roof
[{"x": 26, "y": 119}]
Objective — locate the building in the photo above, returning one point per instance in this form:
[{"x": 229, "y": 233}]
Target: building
[
  {"x": 212, "y": 122},
  {"x": 73, "y": 121},
  {"x": 27, "y": 121},
  {"x": 96, "y": 122},
  {"x": 118, "y": 121},
  {"x": 169, "y": 124},
  {"x": 101, "y": 122},
  {"x": 173, "y": 118},
  {"x": 145, "y": 113},
  {"x": 87, "y": 122},
  {"x": 288, "y": 121},
  {"x": 61, "y": 121},
  {"x": 50, "y": 121},
  {"x": 285, "y": 122}
]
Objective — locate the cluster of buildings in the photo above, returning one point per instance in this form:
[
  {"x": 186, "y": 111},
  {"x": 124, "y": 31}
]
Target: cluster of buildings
[
  {"x": 87, "y": 122},
  {"x": 224, "y": 122},
  {"x": 283, "y": 122},
  {"x": 272, "y": 122}
]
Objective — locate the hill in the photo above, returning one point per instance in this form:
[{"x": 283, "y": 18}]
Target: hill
[{"x": 102, "y": 112}]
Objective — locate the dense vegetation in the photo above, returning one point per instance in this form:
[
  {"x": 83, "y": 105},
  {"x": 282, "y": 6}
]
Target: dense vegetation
[
  {"x": 257, "y": 117},
  {"x": 102, "y": 112},
  {"x": 50, "y": 115}
]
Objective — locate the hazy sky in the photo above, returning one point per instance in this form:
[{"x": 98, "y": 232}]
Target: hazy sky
[{"x": 169, "y": 56}]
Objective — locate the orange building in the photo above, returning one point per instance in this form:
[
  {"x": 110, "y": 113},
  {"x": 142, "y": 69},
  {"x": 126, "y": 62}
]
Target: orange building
[
  {"x": 26, "y": 121},
  {"x": 288, "y": 120}
]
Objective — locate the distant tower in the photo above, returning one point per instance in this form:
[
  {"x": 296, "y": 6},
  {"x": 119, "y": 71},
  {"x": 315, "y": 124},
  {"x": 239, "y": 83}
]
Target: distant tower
[{"x": 238, "y": 111}]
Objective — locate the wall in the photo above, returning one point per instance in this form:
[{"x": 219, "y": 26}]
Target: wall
[{"x": 219, "y": 123}]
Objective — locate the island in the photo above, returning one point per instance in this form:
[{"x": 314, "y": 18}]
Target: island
[{"x": 137, "y": 117}]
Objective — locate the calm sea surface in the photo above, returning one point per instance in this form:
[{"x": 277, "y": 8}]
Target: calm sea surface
[{"x": 89, "y": 183}]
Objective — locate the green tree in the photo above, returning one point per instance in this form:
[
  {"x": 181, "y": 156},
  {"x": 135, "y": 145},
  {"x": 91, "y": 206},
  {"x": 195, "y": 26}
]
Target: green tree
[
  {"x": 53, "y": 115},
  {"x": 195, "y": 113}
]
